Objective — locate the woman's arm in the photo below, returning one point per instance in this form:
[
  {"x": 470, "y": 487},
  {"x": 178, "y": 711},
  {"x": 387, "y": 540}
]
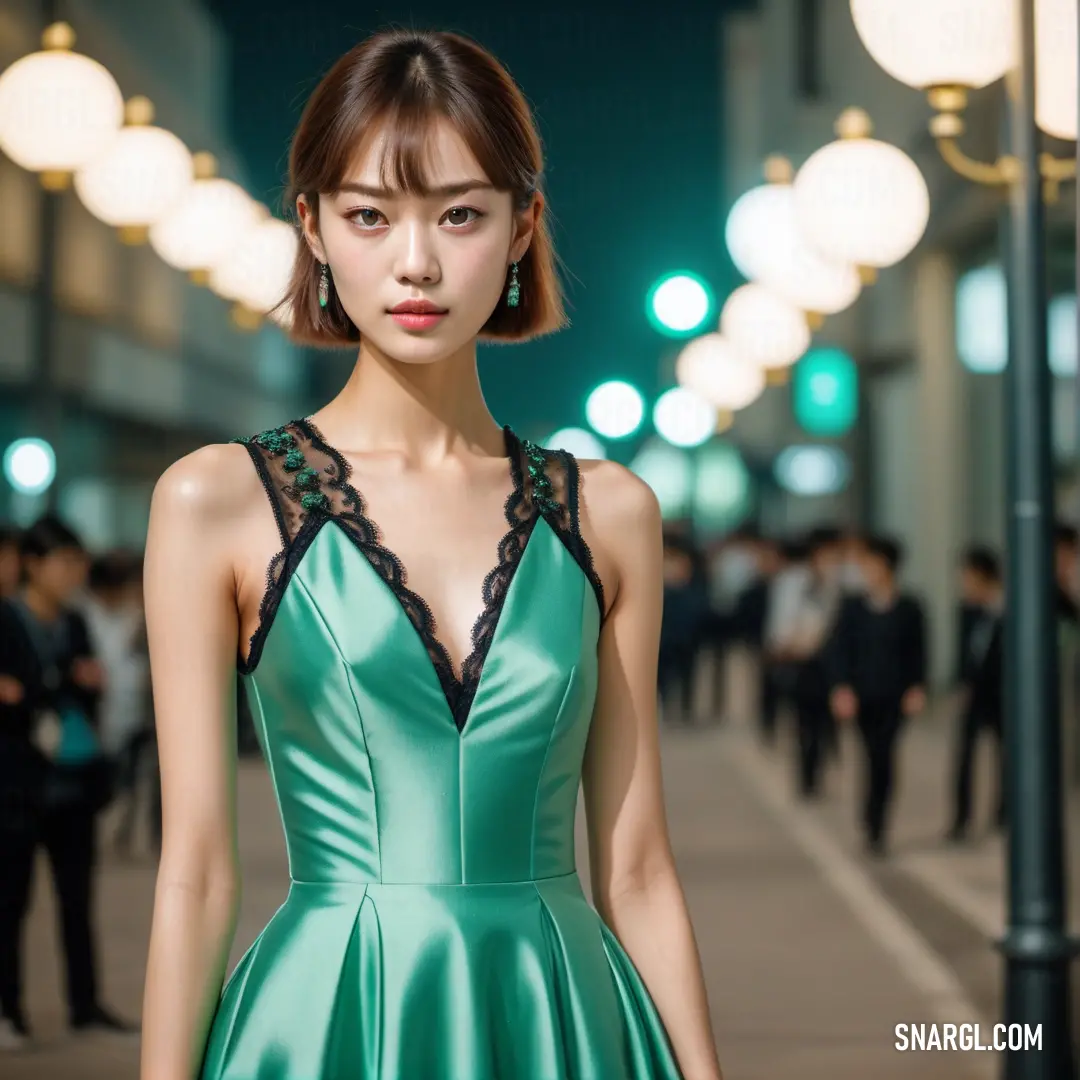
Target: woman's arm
[
  {"x": 634, "y": 882},
  {"x": 192, "y": 621}
]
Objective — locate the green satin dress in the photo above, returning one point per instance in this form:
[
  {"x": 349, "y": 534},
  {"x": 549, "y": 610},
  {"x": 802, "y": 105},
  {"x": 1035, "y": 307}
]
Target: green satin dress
[{"x": 435, "y": 927}]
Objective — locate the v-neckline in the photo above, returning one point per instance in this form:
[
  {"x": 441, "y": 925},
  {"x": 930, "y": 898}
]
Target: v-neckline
[{"x": 521, "y": 516}]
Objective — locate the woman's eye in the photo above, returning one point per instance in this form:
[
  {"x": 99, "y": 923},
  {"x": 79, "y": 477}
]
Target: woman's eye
[
  {"x": 454, "y": 215},
  {"x": 366, "y": 216}
]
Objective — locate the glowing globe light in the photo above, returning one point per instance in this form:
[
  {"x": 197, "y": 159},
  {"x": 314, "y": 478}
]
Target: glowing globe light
[
  {"x": 669, "y": 471},
  {"x": 714, "y": 369},
  {"x": 206, "y": 224},
  {"x": 679, "y": 303},
  {"x": 764, "y": 327},
  {"x": 812, "y": 470},
  {"x": 615, "y": 409},
  {"x": 929, "y": 43},
  {"x": 30, "y": 465},
  {"x": 766, "y": 244},
  {"x": 58, "y": 109},
  {"x": 1056, "y": 49},
  {"x": 577, "y": 441},
  {"x": 684, "y": 418},
  {"x": 257, "y": 271},
  {"x": 141, "y": 175},
  {"x": 982, "y": 320},
  {"x": 860, "y": 200},
  {"x": 1061, "y": 332}
]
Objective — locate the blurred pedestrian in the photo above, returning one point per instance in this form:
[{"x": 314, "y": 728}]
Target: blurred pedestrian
[
  {"x": 54, "y": 777},
  {"x": 113, "y": 611},
  {"x": 813, "y": 619},
  {"x": 782, "y": 667},
  {"x": 9, "y": 560},
  {"x": 980, "y": 676},
  {"x": 877, "y": 672},
  {"x": 686, "y": 610}
]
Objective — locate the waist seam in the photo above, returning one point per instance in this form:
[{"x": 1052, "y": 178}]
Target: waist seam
[{"x": 372, "y": 882}]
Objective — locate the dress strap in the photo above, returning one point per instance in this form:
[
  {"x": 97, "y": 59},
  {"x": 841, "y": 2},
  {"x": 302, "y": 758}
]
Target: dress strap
[
  {"x": 552, "y": 489},
  {"x": 302, "y": 484}
]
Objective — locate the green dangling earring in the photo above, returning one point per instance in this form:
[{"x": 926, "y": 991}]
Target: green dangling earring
[
  {"x": 513, "y": 294},
  {"x": 324, "y": 286}
]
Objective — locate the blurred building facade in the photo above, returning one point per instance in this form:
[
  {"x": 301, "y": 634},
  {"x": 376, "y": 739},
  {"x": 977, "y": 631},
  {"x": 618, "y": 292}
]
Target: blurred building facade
[
  {"x": 147, "y": 365},
  {"x": 928, "y": 451}
]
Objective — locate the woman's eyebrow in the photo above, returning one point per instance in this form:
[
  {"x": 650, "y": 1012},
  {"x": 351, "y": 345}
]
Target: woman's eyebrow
[{"x": 460, "y": 187}]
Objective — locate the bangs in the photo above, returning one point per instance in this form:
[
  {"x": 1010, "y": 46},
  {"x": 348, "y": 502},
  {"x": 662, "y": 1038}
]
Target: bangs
[
  {"x": 404, "y": 137},
  {"x": 404, "y": 140}
]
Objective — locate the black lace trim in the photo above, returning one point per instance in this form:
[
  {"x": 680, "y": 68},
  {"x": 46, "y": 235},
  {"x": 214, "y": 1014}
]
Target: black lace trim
[
  {"x": 365, "y": 533},
  {"x": 305, "y": 497}
]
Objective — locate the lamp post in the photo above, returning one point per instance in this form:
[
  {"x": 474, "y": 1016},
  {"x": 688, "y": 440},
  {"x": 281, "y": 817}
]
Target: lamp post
[
  {"x": 988, "y": 39},
  {"x": 58, "y": 111}
]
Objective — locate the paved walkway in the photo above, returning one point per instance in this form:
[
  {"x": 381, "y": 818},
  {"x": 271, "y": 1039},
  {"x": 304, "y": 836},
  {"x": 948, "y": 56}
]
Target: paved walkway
[{"x": 812, "y": 955}]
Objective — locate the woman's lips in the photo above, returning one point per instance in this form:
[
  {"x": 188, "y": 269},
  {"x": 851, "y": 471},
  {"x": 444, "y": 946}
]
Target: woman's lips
[{"x": 415, "y": 320}]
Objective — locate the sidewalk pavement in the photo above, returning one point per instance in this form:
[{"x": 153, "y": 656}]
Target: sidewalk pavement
[{"x": 808, "y": 965}]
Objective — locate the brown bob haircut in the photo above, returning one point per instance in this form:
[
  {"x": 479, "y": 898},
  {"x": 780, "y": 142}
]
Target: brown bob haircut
[{"x": 403, "y": 82}]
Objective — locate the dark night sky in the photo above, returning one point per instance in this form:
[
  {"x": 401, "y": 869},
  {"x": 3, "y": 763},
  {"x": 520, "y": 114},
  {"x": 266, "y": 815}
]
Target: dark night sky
[{"x": 626, "y": 97}]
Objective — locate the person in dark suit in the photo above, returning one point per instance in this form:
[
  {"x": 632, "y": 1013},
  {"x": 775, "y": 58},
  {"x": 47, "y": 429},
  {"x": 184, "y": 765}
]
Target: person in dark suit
[
  {"x": 980, "y": 671},
  {"x": 685, "y": 613},
  {"x": 749, "y": 620},
  {"x": 876, "y": 662},
  {"x": 53, "y": 776},
  {"x": 812, "y": 619}
]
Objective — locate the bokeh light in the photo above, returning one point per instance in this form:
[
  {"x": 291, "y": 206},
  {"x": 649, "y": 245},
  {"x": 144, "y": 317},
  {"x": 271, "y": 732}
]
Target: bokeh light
[
  {"x": 615, "y": 409},
  {"x": 30, "y": 465},
  {"x": 679, "y": 303},
  {"x": 577, "y": 441},
  {"x": 683, "y": 417}
]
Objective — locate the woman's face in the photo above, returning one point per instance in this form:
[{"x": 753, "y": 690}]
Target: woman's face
[
  {"x": 453, "y": 249},
  {"x": 58, "y": 575}
]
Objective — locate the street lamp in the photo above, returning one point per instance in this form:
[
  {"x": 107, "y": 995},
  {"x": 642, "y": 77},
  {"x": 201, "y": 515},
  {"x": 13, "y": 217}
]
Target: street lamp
[
  {"x": 58, "y": 111},
  {"x": 947, "y": 47},
  {"x": 255, "y": 274},
  {"x": 765, "y": 328},
  {"x": 766, "y": 244},
  {"x": 714, "y": 369},
  {"x": 206, "y": 224},
  {"x": 860, "y": 200},
  {"x": 138, "y": 177}
]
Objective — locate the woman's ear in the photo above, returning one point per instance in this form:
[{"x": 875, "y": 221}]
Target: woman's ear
[
  {"x": 309, "y": 222},
  {"x": 526, "y": 222}
]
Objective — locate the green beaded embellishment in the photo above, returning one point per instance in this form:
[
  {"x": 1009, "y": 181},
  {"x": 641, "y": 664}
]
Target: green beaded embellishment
[
  {"x": 542, "y": 491},
  {"x": 306, "y": 481},
  {"x": 307, "y": 478},
  {"x": 276, "y": 441},
  {"x": 513, "y": 293}
]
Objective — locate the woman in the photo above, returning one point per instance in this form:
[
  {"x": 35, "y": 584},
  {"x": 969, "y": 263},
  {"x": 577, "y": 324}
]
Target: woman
[
  {"x": 426, "y": 748},
  {"x": 53, "y": 776}
]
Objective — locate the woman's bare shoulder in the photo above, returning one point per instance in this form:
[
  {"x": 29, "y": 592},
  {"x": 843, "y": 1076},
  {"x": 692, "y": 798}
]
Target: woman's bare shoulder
[
  {"x": 214, "y": 483},
  {"x": 615, "y": 498}
]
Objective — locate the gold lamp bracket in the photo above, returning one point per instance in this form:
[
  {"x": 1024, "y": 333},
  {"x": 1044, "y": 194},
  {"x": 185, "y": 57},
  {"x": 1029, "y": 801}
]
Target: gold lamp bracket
[{"x": 947, "y": 126}]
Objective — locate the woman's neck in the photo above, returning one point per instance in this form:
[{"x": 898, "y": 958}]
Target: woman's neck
[
  {"x": 43, "y": 606},
  {"x": 422, "y": 411}
]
